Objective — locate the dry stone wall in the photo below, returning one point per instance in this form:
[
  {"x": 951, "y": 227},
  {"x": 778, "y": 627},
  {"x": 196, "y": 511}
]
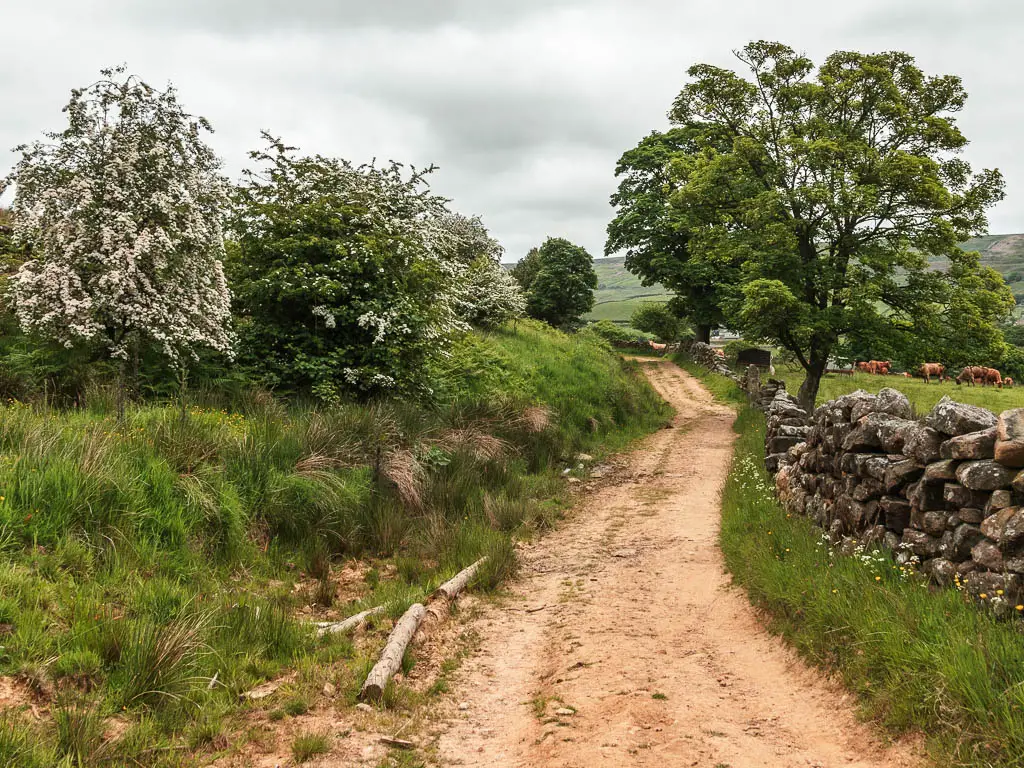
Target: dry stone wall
[
  {"x": 704, "y": 354},
  {"x": 945, "y": 492}
]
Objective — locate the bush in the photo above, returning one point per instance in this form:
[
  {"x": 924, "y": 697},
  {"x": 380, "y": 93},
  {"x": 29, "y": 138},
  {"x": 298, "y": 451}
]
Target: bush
[
  {"x": 614, "y": 333},
  {"x": 659, "y": 320}
]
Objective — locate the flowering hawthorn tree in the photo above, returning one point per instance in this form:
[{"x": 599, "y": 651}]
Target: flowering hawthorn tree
[
  {"x": 488, "y": 294},
  {"x": 121, "y": 214},
  {"x": 347, "y": 278}
]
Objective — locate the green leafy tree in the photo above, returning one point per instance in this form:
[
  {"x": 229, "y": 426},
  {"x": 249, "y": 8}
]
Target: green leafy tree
[
  {"x": 563, "y": 289},
  {"x": 1014, "y": 334},
  {"x": 526, "y": 268},
  {"x": 659, "y": 320},
  {"x": 348, "y": 279},
  {"x": 649, "y": 230},
  {"x": 827, "y": 188}
]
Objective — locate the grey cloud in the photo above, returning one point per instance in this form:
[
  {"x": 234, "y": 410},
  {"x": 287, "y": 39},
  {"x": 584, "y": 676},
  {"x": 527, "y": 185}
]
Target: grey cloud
[
  {"x": 525, "y": 106},
  {"x": 248, "y": 16}
]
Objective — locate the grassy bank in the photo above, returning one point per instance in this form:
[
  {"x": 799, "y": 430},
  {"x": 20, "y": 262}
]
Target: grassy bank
[
  {"x": 153, "y": 570},
  {"x": 920, "y": 659}
]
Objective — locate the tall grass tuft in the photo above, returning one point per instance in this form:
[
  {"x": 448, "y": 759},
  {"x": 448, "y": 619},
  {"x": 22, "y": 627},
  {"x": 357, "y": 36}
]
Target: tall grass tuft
[
  {"x": 156, "y": 662},
  {"x": 79, "y": 732}
]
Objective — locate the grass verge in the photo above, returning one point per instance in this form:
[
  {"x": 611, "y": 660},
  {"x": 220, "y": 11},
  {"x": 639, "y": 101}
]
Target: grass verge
[
  {"x": 920, "y": 659},
  {"x": 722, "y": 387}
]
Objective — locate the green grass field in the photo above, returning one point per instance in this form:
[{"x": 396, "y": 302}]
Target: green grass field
[
  {"x": 923, "y": 396},
  {"x": 619, "y": 293}
]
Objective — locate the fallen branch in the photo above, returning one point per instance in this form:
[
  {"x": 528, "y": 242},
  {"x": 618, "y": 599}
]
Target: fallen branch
[
  {"x": 332, "y": 627},
  {"x": 391, "y": 657},
  {"x": 451, "y": 588}
]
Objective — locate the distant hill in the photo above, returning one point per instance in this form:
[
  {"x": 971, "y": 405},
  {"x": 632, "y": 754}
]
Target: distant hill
[
  {"x": 1004, "y": 253},
  {"x": 619, "y": 292}
]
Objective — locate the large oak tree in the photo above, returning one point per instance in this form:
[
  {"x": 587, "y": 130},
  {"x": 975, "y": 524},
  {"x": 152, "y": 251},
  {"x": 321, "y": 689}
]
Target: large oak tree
[{"x": 805, "y": 202}]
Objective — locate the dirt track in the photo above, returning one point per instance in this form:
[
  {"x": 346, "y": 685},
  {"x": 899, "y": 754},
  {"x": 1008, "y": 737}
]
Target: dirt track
[{"x": 626, "y": 617}]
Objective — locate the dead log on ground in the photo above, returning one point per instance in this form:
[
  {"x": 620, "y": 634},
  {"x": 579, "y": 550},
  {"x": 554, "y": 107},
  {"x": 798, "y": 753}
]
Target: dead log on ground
[
  {"x": 441, "y": 600},
  {"x": 332, "y": 627},
  {"x": 391, "y": 657},
  {"x": 451, "y": 588}
]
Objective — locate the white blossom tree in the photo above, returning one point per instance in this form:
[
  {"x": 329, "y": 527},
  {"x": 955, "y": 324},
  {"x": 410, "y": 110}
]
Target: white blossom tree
[
  {"x": 486, "y": 294},
  {"x": 122, "y": 214}
]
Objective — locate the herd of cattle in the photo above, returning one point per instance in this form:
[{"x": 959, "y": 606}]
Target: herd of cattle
[{"x": 971, "y": 375}]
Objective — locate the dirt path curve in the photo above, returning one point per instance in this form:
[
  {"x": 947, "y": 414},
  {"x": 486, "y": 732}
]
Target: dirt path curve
[{"x": 626, "y": 617}]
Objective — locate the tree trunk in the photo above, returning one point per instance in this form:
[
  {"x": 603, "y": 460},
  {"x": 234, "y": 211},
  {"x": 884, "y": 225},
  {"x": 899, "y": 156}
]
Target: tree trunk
[
  {"x": 333, "y": 627},
  {"x": 808, "y": 393},
  {"x": 182, "y": 389},
  {"x": 454, "y": 586},
  {"x": 704, "y": 333},
  {"x": 391, "y": 657},
  {"x": 121, "y": 385}
]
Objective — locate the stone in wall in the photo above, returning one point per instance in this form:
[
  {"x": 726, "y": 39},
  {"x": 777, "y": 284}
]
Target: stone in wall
[
  {"x": 953, "y": 418},
  {"x": 1009, "y": 444},
  {"x": 973, "y": 445}
]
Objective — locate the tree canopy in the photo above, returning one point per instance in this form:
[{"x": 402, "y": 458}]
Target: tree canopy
[
  {"x": 526, "y": 268},
  {"x": 352, "y": 279},
  {"x": 120, "y": 217},
  {"x": 650, "y": 231},
  {"x": 562, "y": 291},
  {"x": 803, "y": 202}
]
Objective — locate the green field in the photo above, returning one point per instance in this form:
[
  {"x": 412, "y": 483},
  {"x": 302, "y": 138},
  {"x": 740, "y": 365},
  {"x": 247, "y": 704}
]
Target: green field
[
  {"x": 922, "y": 396},
  {"x": 619, "y": 293}
]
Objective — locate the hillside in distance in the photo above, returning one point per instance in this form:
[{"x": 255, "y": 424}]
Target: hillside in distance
[{"x": 619, "y": 292}]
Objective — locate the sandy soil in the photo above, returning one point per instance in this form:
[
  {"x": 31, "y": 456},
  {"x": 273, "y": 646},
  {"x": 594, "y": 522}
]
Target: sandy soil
[{"x": 627, "y": 646}]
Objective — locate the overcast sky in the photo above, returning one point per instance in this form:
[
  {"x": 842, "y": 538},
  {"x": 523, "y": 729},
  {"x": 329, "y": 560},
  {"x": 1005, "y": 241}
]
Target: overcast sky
[{"x": 524, "y": 104}]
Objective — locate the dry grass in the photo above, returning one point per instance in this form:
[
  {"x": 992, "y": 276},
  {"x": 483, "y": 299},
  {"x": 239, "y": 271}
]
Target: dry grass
[
  {"x": 477, "y": 443},
  {"x": 536, "y": 419},
  {"x": 407, "y": 476}
]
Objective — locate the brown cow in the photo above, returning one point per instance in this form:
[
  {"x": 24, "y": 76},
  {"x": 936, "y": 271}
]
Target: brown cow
[
  {"x": 979, "y": 374},
  {"x": 968, "y": 376},
  {"x": 875, "y": 367},
  {"x": 991, "y": 377},
  {"x": 927, "y": 370}
]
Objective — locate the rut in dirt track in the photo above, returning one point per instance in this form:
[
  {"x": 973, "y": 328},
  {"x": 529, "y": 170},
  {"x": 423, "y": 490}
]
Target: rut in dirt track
[{"x": 625, "y": 615}]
